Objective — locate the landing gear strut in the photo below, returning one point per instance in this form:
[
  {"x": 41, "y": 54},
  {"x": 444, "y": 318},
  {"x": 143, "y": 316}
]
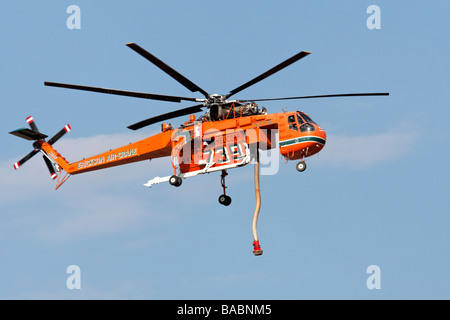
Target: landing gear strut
[{"x": 224, "y": 199}]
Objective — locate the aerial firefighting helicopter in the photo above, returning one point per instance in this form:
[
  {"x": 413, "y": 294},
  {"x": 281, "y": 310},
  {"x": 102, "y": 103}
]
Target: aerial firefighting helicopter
[{"x": 227, "y": 136}]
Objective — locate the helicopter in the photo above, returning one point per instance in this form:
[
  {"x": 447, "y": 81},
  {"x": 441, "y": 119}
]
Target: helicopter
[{"x": 229, "y": 135}]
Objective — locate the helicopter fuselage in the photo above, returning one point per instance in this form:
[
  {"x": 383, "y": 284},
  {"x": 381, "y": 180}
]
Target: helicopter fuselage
[{"x": 221, "y": 143}]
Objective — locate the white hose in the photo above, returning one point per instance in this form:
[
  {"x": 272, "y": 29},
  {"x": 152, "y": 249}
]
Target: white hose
[{"x": 258, "y": 198}]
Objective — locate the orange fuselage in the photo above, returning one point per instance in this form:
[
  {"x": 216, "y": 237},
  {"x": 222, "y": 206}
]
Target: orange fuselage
[{"x": 298, "y": 137}]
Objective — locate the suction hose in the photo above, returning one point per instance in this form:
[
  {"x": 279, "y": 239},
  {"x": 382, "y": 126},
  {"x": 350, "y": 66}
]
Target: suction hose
[{"x": 256, "y": 247}]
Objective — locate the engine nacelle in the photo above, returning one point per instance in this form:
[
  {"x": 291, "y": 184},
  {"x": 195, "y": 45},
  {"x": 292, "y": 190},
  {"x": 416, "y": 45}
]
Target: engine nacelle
[{"x": 220, "y": 112}]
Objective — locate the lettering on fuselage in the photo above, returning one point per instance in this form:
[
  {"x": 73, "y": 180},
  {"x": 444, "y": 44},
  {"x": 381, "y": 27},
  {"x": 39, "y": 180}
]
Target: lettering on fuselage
[
  {"x": 90, "y": 163},
  {"x": 121, "y": 155},
  {"x": 263, "y": 123},
  {"x": 111, "y": 157},
  {"x": 214, "y": 147},
  {"x": 225, "y": 154}
]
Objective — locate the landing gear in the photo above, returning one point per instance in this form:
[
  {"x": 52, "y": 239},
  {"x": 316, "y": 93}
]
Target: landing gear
[
  {"x": 225, "y": 200},
  {"x": 175, "y": 180},
  {"x": 301, "y": 166}
]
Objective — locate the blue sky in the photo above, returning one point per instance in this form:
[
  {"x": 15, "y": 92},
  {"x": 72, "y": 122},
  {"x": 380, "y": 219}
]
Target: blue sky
[{"x": 376, "y": 195}]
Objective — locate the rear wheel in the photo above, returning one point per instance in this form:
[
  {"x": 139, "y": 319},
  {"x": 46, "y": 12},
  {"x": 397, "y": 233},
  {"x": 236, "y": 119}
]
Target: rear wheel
[
  {"x": 175, "y": 181},
  {"x": 301, "y": 166}
]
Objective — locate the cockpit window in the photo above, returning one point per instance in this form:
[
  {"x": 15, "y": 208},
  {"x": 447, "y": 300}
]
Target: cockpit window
[
  {"x": 299, "y": 119},
  {"x": 292, "y": 123},
  {"x": 308, "y": 119}
]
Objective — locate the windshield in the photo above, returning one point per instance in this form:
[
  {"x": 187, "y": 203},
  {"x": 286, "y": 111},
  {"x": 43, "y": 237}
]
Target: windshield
[{"x": 304, "y": 116}]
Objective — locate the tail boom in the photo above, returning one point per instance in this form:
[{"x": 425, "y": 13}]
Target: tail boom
[{"x": 153, "y": 147}]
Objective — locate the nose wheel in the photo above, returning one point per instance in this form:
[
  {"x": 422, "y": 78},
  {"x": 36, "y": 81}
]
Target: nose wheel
[{"x": 301, "y": 166}]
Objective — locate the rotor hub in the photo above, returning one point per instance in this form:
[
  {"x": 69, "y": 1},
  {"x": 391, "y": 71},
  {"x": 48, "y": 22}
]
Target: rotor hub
[{"x": 215, "y": 99}]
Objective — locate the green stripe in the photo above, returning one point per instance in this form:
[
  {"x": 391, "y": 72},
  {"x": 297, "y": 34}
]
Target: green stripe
[{"x": 300, "y": 140}]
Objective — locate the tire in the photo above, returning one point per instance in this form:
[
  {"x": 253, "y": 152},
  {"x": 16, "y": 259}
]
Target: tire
[
  {"x": 225, "y": 200},
  {"x": 301, "y": 166},
  {"x": 175, "y": 181}
]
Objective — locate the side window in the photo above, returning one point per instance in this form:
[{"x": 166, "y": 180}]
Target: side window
[
  {"x": 292, "y": 123},
  {"x": 300, "y": 120}
]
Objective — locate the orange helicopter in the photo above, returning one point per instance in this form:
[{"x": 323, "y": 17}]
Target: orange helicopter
[{"x": 227, "y": 136}]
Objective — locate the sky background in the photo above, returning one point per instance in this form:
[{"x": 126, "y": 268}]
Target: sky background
[{"x": 376, "y": 195}]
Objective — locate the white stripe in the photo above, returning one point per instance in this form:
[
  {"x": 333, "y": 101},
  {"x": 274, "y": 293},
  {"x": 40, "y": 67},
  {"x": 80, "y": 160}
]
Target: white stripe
[{"x": 289, "y": 141}]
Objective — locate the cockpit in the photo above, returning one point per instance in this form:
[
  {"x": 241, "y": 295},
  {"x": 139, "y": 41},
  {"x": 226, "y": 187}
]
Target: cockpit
[{"x": 301, "y": 121}]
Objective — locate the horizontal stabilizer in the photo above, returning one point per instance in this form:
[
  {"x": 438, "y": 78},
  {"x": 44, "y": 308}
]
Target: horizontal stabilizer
[{"x": 28, "y": 134}]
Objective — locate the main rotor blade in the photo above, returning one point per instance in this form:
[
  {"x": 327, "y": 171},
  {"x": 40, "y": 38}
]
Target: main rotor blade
[
  {"x": 25, "y": 159},
  {"x": 50, "y": 167},
  {"x": 166, "y": 116},
  {"x": 122, "y": 92},
  {"x": 323, "y": 96},
  {"x": 167, "y": 69},
  {"x": 268, "y": 73}
]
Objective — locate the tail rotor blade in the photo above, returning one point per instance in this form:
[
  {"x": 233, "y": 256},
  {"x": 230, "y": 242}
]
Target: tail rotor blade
[
  {"x": 33, "y": 126},
  {"x": 25, "y": 159},
  {"x": 57, "y": 136},
  {"x": 50, "y": 168}
]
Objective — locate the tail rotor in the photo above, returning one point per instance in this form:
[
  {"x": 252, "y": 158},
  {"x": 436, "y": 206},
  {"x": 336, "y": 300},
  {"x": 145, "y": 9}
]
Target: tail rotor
[{"x": 33, "y": 134}]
